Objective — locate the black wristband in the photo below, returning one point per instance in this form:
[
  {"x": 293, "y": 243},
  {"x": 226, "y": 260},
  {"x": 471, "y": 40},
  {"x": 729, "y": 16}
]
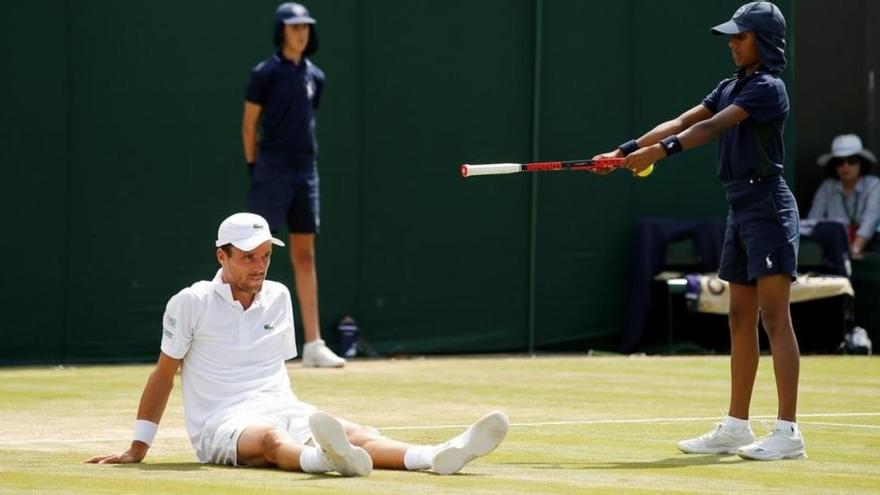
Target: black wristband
[
  {"x": 628, "y": 147},
  {"x": 671, "y": 145},
  {"x": 250, "y": 167}
]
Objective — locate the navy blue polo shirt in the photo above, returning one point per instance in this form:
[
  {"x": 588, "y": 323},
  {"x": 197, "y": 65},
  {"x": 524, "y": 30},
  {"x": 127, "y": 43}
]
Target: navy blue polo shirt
[
  {"x": 754, "y": 147},
  {"x": 289, "y": 94}
]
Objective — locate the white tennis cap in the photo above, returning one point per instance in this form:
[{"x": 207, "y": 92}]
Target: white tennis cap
[{"x": 245, "y": 231}]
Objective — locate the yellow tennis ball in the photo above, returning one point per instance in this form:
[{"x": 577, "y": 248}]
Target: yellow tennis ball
[{"x": 646, "y": 171}]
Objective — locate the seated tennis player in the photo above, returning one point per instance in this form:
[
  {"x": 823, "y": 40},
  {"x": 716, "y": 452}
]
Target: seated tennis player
[{"x": 230, "y": 338}]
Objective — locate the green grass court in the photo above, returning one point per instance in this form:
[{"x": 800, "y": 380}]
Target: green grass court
[{"x": 579, "y": 425}]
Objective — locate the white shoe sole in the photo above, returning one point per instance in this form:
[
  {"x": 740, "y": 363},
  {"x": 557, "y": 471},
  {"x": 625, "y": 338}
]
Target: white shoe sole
[
  {"x": 345, "y": 458},
  {"x": 485, "y": 436},
  {"x": 796, "y": 455},
  {"x": 731, "y": 451},
  {"x": 706, "y": 451},
  {"x": 311, "y": 364}
]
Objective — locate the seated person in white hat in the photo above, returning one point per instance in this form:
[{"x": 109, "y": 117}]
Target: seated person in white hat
[
  {"x": 230, "y": 337},
  {"x": 850, "y": 195}
]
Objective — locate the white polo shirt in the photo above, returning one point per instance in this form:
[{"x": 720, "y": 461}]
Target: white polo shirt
[{"x": 232, "y": 359}]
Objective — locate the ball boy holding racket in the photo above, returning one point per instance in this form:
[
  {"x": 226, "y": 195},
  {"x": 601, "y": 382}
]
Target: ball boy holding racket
[{"x": 759, "y": 257}]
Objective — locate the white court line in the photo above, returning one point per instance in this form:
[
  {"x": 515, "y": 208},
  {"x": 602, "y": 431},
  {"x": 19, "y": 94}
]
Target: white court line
[
  {"x": 179, "y": 435},
  {"x": 842, "y": 425},
  {"x": 629, "y": 421},
  {"x": 52, "y": 441}
]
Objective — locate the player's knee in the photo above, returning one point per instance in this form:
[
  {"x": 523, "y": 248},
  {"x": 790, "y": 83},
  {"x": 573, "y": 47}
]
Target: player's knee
[
  {"x": 360, "y": 434},
  {"x": 369, "y": 430},
  {"x": 272, "y": 442}
]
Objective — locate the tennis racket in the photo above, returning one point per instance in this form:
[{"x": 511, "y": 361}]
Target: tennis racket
[{"x": 596, "y": 165}]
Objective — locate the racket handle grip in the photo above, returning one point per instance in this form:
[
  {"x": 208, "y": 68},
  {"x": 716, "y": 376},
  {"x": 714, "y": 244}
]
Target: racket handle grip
[{"x": 490, "y": 169}]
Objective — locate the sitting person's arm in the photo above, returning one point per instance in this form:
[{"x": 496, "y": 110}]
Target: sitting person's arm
[{"x": 153, "y": 402}]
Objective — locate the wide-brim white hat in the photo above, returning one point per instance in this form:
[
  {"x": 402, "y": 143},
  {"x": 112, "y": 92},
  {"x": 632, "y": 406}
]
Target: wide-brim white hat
[{"x": 846, "y": 145}]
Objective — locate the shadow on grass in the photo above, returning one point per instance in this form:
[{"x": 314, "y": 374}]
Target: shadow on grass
[
  {"x": 162, "y": 466},
  {"x": 679, "y": 461},
  {"x": 195, "y": 466}
]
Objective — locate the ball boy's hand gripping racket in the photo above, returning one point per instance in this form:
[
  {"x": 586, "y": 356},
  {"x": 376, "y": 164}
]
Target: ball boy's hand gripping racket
[{"x": 596, "y": 165}]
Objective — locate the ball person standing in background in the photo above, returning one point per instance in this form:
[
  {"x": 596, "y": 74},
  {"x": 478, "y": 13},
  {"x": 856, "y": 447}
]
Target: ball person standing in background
[{"x": 283, "y": 95}]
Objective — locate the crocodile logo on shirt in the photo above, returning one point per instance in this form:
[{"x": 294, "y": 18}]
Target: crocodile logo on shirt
[{"x": 268, "y": 326}]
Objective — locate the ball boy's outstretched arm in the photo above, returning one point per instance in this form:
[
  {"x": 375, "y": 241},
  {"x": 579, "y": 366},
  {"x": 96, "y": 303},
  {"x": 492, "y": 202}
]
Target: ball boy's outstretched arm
[
  {"x": 668, "y": 128},
  {"x": 675, "y": 126},
  {"x": 695, "y": 135},
  {"x": 153, "y": 402},
  {"x": 693, "y": 128}
]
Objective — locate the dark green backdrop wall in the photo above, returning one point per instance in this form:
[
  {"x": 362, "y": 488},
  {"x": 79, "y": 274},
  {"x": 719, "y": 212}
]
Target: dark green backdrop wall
[{"x": 121, "y": 151}]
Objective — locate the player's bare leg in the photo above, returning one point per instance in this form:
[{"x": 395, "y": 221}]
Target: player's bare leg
[
  {"x": 449, "y": 457},
  {"x": 302, "y": 257},
  {"x": 386, "y": 453},
  {"x": 266, "y": 446},
  {"x": 744, "y": 348},
  {"x": 773, "y": 296}
]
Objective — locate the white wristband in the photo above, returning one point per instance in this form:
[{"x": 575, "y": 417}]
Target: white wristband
[{"x": 145, "y": 431}]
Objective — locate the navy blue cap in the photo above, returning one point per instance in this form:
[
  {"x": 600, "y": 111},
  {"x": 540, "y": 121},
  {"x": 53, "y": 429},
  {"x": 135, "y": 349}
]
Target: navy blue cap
[
  {"x": 293, "y": 13},
  {"x": 755, "y": 16},
  {"x": 768, "y": 24}
]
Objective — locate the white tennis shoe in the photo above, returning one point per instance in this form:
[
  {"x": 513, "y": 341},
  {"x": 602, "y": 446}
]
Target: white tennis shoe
[
  {"x": 339, "y": 453},
  {"x": 781, "y": 443},
  {"x": 481, "y": 438},
  {"x": 720, "y": 440},
  {"x": 316, "y": 354}
]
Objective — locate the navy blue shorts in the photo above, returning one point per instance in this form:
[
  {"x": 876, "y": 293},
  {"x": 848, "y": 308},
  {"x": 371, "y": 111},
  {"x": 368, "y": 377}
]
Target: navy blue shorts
[
  {"x": 286, "y": 192},
  {"x": 762, "y": 233}
]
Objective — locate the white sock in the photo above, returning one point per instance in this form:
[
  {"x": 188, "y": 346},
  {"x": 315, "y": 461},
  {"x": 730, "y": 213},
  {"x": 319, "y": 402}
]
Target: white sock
[
  {"x": 418, "y": 457},
  {"x": 789, "y": 427},
  {"x": 312, "y": 460},
  {"x": 735, "y": 423}
]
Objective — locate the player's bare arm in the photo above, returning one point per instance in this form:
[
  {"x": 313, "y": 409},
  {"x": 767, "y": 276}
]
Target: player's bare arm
[
  {"x": 153, "y": 402},
  {"x": 249, "y": 130},
  {"x": 696, "y": 134}
]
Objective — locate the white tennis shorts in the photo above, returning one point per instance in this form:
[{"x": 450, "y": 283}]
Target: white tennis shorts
[{"x": 219, "y": 440}]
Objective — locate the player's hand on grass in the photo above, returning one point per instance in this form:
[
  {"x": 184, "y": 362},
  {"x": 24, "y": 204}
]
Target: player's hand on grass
[{"x": 135, "y": 453}]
